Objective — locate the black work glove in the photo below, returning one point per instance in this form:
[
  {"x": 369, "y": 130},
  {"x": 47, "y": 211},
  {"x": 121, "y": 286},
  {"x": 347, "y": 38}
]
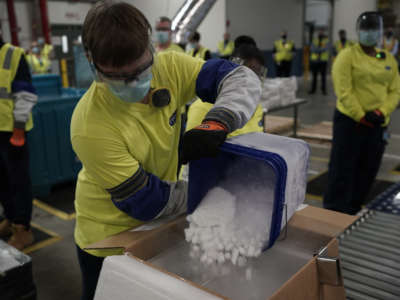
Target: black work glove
[
  {"x": 375, "y": 117},
  {"x": 203, "y": 141}
]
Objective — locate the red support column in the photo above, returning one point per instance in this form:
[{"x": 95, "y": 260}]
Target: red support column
[
  {"x": 45, "y": 20},
  {"x": 13, "y": 22}
]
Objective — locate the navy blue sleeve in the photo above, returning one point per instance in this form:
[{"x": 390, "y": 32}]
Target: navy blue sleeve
[
  {"x": 22, "y": 80},
  {"x": 143, "y": 196},
  {"x": 210, "y": 76}
]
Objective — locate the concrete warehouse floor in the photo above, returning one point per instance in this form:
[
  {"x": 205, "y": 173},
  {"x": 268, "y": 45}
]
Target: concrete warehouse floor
[{"x": 55, "y": 267}]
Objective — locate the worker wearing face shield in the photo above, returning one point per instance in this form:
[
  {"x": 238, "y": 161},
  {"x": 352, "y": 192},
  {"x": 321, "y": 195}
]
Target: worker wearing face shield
[
  {"x": 164, "y": 36},
  {"x": 126, "y": 130},
  {"x": 367, "y": 87}
]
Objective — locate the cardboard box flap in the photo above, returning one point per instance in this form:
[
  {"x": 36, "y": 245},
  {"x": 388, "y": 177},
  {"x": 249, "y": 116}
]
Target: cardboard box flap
[
  {"x": 128, "y": 239},
  {"x": 321, "y": 221},
  {"x": 306, "y": 284}
]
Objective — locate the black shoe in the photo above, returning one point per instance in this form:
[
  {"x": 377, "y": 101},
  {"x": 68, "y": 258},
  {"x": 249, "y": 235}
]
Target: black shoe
[
  {"x": 311, "y": 92},
  {"x": 325, "y": 93}
]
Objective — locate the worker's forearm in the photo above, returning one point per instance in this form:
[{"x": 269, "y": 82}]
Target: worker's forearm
[{"x": 238, "y": 97}]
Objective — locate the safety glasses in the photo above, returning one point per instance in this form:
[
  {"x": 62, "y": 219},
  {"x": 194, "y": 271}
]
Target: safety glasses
[{"x": 120, "y": 79}]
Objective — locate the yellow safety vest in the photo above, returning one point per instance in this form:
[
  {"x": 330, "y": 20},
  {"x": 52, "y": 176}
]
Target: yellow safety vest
[
  {"x": 324, "y": 56},
  {"x": 45, "y": 53},
  {"x": 226, "y": 50},
  {"x": 38, "y": 66},
  {"x": 9, "y": 61},
  {"x": 284, "y": 51},
  {"x": 200, "y": 54},
  {"x": 339, "y": 46}
]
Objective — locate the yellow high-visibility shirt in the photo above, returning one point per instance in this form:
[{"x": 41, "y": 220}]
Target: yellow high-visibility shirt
[
  {"x": 38, "y": 65},
  {"x": 172, "y": 47},
  {"x": 198, "y": 110},
  {"x": 284, "y": 51},
  {"x": 201, "y": 53},
  {"x": 45, "y": 53},
  {"x": 10, "y": 57},
  {"x": 113, "y": 138},
  {"x": 226, "y": 50},
  {"x": 363, "y": 83}
]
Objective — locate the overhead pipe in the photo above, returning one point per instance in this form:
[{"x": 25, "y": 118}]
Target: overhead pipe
[
  {"x": 13, "y": 22},
  {"x": 45, "y": 20},
  {"x": 189, "y": 17}
]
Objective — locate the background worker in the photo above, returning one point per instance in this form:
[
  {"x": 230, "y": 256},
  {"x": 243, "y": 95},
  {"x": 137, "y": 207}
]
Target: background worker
[
  {"x": 251, "y": 57},
  {"x": 342, "y": 43},
  {"x": 390, "y": 43},
  {"x": 319, "y": 61},
  {"x": 164, "y": 36},
  {"x": 37, "y": 63},
  {"x": 195, "y": 49},
  {"x": 46, "y": 50},
  {"x": 17, "y": 98},
  {"x": 367, "y": 87},
  {"x": 131, "y": 113},
  {"x": 284, "y": 51},
  {"x": 226, "y": 47}
]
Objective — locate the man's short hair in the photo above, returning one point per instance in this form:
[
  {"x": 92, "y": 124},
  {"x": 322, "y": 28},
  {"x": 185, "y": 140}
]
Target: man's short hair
[
  {"x": 195, "y": 37},
  {"x": 248, "y": 51},
  {"x": 115, "y": 33},
  {"x": 244, "y": 40}
]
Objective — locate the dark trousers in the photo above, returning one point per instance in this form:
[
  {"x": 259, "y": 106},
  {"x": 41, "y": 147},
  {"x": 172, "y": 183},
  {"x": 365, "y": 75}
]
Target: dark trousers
[
  {"x": 356, "y": 155},
  {"x": 90, "y": 269},
  {"x": 318, "y": 68},
  {"x": 15, "y": 181},
  {"x": 283, "y": 69}
]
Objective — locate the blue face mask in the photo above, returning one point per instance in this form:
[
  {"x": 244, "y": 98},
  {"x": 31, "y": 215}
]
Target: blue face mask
[
  {"x": 191, "y": 46},
  {"x": 162, "y": 36},
  {"x": 369, "y": 38},
  {"x": 132, "y": 92},
  {"x": 35, "y": 50}
]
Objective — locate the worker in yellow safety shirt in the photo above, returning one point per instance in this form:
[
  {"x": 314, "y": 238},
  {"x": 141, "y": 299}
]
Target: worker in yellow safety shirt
[
  {"x": 126, "y": 130},
  {"x": 37, "y": 63},
  {"x": 45, "y": 49},
  {"x": 342, "y": 43},
  {"x": 195, "y": 49},
  {"x": 283, "y": 52},
  {"x": 319, "y": 61},
  {"x": 367, "y": 86},
  {"x": 251, "y": 57},
  {"x": 226, "y": 47},
  {"x": 390, "y": 43},
  {"x": 164, "y": 36},
  {"x": 17, "y": 98}
]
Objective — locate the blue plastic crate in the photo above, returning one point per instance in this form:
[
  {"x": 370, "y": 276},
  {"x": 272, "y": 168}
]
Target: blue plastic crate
[
  {"x": 241, "y": 164},
  {"x": 52, "y": 159},
  {"x": 47, "y": 84}
]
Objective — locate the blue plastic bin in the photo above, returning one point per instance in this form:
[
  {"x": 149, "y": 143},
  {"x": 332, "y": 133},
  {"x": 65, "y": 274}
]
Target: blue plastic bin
[
  {"x": 47, "y": 84},
  {"x": 247, "y": 160},
  {"x": 52, "y": 159}
]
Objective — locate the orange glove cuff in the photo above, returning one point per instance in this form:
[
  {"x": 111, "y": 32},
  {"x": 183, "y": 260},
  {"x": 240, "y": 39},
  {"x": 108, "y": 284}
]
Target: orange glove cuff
[
  {"x": 212, "y": 126},
  {"x": 18, "y": 137}
]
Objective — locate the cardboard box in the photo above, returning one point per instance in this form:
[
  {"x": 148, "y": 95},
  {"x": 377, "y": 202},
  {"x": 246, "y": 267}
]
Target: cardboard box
[{"x": 294, "y": 271}]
